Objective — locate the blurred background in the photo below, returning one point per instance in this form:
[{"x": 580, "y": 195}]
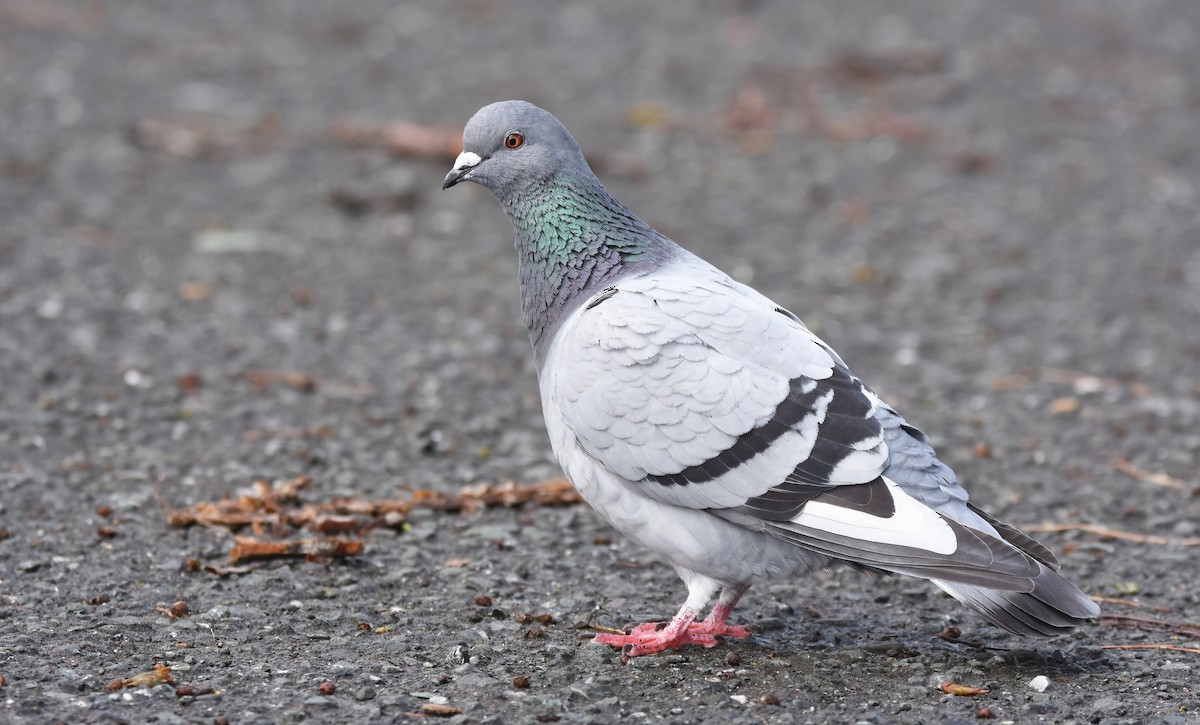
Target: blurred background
[
  {"x": 225, "y": 254},
  {"x": 199, "y": 189}
]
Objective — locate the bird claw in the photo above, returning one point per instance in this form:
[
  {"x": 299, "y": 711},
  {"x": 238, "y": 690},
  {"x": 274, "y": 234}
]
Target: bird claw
[{"x": 648, "y": 638}]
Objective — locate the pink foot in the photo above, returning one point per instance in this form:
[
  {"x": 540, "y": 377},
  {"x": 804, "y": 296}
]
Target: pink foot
[{"x": 646, "y": 639}]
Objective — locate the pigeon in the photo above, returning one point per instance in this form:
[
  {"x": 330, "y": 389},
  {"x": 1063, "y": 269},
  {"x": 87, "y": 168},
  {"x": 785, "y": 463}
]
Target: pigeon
[{"x": 708, "y": 424}]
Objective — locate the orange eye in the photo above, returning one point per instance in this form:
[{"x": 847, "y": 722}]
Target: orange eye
[{"x": 514, "y": 140}]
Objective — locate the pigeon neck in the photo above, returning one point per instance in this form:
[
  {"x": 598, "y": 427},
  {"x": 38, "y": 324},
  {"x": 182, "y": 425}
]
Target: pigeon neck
[{"x": 573, "y": 239}]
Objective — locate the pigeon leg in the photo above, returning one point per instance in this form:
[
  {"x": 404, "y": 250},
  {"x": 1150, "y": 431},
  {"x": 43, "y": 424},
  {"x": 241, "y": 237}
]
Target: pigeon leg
[
  {"x": 683, "y": 630},
  {"x": 714, "y": 625},
  {"x": 647, "y": 638}
]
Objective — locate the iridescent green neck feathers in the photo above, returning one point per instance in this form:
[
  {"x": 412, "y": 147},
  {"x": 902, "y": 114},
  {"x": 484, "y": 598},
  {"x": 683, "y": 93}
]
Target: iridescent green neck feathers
[{"x": 573, "y": 239}]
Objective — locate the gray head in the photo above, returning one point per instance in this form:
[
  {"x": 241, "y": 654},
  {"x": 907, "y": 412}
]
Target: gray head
[
  {"x": 511, "y": 144},
  {"x": 572, "y": 237}
]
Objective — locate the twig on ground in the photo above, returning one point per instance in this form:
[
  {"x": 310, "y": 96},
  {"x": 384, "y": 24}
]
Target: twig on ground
[
  {"x": 1181, "y": 629},
  {"x": 1107, "y": 533},
  {"x": 1101, "y": 599},
  {"x": 1170, "y": 647},
  {"x": 954, "y": 636},
  {"x": 1157, "y": 478},
  {"x": 260, "y": 380}
]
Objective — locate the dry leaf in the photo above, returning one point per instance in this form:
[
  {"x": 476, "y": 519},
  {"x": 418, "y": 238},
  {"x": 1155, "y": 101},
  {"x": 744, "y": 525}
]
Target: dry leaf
[
  {"x": 189, "y": 383},
  {"x": 647, "y": 114},
  {"x": 194, "y": 291},
  {"x": 309, "y": 549},
  {"x": 178, "y": 609},
  {"x": 260, "y": 380},
  {"x": 953, "y": 688},
  {"x": 862, "y": 273},
  {"x": 160, "y": 675},
  {"x": 1064, "y": 405}
]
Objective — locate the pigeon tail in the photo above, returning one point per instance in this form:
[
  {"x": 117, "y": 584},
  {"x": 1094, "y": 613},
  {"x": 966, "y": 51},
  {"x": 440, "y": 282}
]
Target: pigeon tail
[{"x": 1054, "y": 607}]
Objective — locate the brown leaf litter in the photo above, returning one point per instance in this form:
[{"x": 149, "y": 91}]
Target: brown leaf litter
[{"x": 276, "y": 516}]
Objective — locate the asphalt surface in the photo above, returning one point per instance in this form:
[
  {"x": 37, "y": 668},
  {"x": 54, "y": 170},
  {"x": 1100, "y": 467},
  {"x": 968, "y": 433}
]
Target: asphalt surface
[{"x": 989, "y": 209}]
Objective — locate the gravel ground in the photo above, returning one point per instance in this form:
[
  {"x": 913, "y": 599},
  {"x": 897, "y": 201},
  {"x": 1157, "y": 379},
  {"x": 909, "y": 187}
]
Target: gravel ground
[{"x": 990, "y": 209}]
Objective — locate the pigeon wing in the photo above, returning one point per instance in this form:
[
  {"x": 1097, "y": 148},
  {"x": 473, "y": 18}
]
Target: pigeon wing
[
  {"x": 703, "y": 394},
  {"x": 705, "y": 397}
]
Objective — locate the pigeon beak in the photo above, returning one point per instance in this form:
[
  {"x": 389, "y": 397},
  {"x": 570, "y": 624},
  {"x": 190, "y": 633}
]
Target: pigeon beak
[{"x": 463, "y": 166}]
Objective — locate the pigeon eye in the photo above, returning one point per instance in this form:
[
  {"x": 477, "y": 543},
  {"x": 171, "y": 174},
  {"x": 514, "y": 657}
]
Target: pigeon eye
[{"x": 514, "y": 140}]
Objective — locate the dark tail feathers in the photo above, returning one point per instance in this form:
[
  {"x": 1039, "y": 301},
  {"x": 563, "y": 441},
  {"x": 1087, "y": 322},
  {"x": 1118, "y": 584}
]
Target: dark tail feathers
[{"x": 1055, "y": 606}]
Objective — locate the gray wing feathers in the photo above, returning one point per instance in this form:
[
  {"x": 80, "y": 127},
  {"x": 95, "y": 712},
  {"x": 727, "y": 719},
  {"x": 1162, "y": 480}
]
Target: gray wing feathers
[
  {"x": 915, "y": 466},
  {"x": 676, "y": 380}
]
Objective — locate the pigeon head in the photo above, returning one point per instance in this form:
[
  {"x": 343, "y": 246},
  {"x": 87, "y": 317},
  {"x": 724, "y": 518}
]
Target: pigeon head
[
  {"x": 511, "y": 144},
  {"x": 572, "y": 237}
]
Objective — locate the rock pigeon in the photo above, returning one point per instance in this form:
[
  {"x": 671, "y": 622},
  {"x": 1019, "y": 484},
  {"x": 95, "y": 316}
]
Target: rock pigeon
[{"x": 705, "y": 422}]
